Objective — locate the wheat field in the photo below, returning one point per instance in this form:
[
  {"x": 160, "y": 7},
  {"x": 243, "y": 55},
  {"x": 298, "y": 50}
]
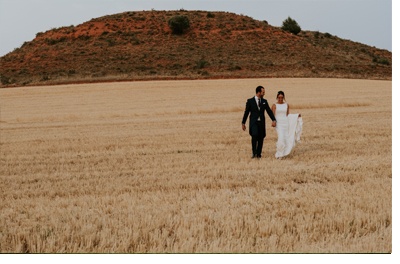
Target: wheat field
[{"x": 164, "y": 167}]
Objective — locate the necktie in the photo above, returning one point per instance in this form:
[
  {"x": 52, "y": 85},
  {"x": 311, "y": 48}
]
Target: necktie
[{"x": 259, "y": 103}]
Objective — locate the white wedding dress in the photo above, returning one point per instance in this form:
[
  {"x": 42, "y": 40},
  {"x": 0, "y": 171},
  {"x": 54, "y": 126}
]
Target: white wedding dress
[{"x": 289, "y": 129}]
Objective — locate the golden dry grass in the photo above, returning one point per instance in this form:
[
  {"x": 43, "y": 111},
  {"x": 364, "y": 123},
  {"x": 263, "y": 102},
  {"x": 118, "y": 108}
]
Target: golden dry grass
[{"x": 165, "y": 167}]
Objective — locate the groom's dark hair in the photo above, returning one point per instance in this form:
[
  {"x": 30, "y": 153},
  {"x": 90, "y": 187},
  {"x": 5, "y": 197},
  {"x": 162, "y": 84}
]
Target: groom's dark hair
[{"x": 258, "y": 89}]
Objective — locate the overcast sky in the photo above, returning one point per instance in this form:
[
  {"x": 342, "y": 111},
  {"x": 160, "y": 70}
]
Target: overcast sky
[{"x": 365, "y": 21}]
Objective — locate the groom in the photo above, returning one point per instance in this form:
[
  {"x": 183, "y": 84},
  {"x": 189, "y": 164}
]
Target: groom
[{"x": 256, "y": 106}]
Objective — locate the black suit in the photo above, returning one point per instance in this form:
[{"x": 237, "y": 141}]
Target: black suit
[{"x": 257, "y": 129}]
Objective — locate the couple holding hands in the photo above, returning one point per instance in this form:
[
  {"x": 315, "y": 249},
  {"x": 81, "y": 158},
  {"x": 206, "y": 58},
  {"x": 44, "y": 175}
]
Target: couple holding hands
[{"x": 288, "y": 126}]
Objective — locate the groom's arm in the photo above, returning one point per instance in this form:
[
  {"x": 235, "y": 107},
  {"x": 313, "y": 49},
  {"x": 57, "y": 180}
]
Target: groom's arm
[
  {"x": 245, "y": 115},
  {"x": 271, "y": 114}
]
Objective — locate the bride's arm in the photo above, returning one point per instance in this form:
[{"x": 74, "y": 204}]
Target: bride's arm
[
  {"x": 273, "y": 109},
  {"x": 287, "y": 112}
]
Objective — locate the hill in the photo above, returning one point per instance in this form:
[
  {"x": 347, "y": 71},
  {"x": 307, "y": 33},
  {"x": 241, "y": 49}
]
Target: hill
[{"x": 141, "y": 46}]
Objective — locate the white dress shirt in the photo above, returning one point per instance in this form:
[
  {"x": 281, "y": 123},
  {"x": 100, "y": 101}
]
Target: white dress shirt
[{"x": 257, "y": 101}]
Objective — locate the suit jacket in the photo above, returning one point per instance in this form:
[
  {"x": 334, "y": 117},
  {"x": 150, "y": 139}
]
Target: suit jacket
[{"x": 255, "y": 113}]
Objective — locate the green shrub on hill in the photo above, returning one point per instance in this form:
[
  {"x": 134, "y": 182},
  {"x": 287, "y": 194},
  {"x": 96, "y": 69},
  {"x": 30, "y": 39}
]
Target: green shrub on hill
[
  {"x": 291, "y": 25},
  {"x": 179, "y": 24}
]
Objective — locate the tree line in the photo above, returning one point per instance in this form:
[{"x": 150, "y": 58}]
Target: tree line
[{"x": 180, "y": 24}]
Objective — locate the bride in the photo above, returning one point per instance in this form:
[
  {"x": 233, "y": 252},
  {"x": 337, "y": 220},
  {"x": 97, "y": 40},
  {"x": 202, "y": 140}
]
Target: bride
[{"x": 288, "y": 126}]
